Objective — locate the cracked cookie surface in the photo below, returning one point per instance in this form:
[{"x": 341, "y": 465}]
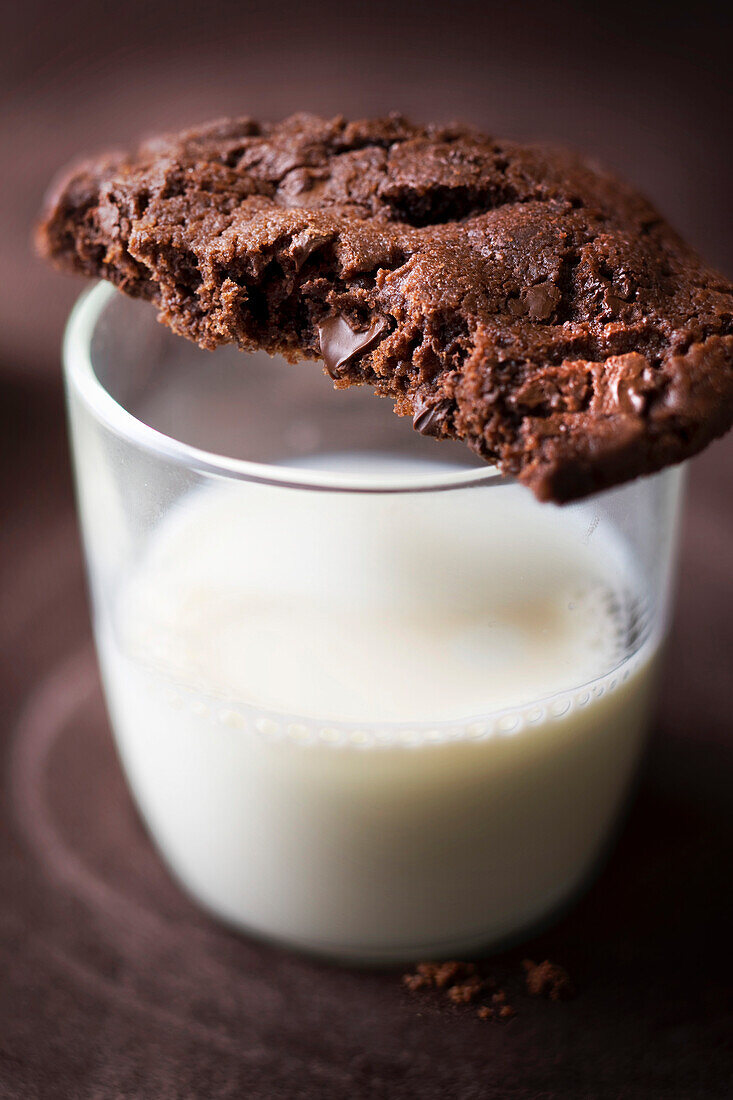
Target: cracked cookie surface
[{"x": 512, "y": 297}]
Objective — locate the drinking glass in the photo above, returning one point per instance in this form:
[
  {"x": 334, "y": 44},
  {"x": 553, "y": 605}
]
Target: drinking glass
[{"x": 372, "y": 699}]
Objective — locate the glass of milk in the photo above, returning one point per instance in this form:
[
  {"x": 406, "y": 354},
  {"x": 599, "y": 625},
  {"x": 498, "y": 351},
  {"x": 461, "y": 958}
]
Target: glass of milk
[{"x": 372, "y": 699}]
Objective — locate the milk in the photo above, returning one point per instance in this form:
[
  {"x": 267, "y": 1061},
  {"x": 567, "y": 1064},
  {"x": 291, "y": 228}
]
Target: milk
[{"x": 378, "y": 725}]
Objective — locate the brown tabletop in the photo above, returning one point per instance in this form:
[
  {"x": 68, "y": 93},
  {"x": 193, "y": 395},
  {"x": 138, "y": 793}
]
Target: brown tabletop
[{"x": 112, "y": 984}]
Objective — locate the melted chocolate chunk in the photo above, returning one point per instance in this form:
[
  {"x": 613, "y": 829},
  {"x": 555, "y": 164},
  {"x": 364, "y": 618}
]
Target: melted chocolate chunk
[
  {"x": 630, "y": 383},
  {"x": 541, "y": 301},
  {"x": 429, "y": 419},
  {"x": 340, "y": 344}
]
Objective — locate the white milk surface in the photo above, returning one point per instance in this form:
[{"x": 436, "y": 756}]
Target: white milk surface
[{"x": 377, "y": 725}]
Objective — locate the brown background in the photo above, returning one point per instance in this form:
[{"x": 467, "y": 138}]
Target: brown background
[{"x": 111, "y": 984}]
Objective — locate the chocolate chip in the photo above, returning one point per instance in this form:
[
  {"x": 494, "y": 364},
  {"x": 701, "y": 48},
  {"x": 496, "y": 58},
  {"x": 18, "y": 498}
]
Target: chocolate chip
[
  {"x": 340, "y": 343},
  {"x": 429, "y": 419},
  {"x": 542, "y": 300},
  {"x": 303, "y": 245},
  {"x": 613, "y": 303},
  {"x": 631, "y": 399},
  {"x": 629, "y": 384}
]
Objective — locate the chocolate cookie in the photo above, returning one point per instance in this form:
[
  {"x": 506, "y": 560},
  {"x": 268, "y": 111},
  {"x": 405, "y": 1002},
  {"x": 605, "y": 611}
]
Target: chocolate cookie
[{"x": 513, "y": 297}]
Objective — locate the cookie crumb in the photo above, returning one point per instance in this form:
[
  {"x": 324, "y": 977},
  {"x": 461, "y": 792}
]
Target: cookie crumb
[
  {"x": 445, "y": 975},
  {"x": 457, "y": 981},
  {"x": 415, "y": 982},
  {"x": 462, "y": 983},
  {"x": 464, "y": 993},
  {"x": 547, "y": 979}
]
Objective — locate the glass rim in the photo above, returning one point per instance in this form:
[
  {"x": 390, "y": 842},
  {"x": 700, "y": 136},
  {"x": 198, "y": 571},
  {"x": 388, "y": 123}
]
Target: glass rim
[{"x": 80, "y": 374}]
